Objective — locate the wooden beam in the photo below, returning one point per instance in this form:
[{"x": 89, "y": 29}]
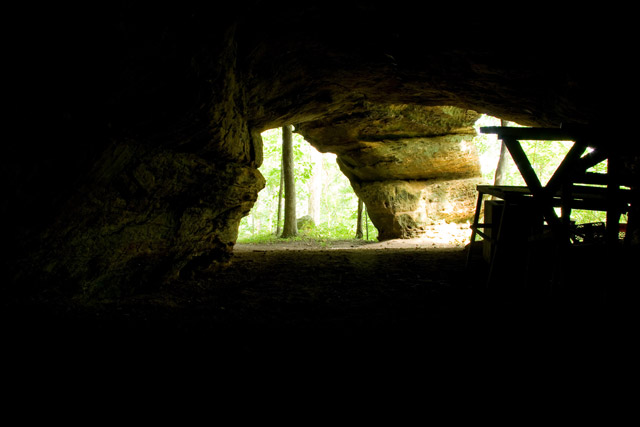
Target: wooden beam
[
  {"x": 567, "y": 169},
  {"x": 593, "y": 158},
  {"x": 534, "y": 134},
  {"x": 592, "y": 178},
  {"x": 614, "y": 170},
  {"x": 524, "y": 166},
  {"x": 533, "y": 182}
]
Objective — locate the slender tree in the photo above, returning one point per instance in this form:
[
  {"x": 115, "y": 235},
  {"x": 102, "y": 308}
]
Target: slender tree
[
  {"x": 290, "y": 228},
  {"x": 501, "y": 169},
  {"x": 314, "y": 184},
  {"x": 359, "y": 223},
  {"x": 366, "y": 221},
  {"x": 279, "y": 220}
]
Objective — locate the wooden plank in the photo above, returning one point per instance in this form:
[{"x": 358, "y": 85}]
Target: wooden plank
[
  {"x": 592, "y": 178},
  {"x": 488, "y": 189},
  {"x": 579, "y": 192},
  {"x": 533, "y": 134},
  {"x": 504, "y": 191}
]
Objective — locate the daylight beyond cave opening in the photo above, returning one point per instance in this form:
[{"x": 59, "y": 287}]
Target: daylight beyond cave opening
[
  {"x": 415, "y": 168},
  {"x": 323, "y": 194},
  {"x": 147, "y": 158},
  {"x": 334, "y": 163}
]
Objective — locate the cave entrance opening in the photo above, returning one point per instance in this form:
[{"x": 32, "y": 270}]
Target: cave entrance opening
[{"x": 326, "y": 204}]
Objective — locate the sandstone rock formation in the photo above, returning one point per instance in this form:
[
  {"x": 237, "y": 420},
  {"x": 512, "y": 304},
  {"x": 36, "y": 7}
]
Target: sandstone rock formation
[
  {"x": 158, "y": 199},
  {"x": 154, "y": 216},
  {"x": 133, "y": 148},
  {"x": 411, "y": 165}
]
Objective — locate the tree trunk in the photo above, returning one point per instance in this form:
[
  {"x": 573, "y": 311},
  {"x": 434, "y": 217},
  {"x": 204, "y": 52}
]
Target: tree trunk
[
  {"x": 359, "y": 224},
  {"x": 366, "y": 221},
  {"x": 278, "y": 229},
  {"x": 501, "y": 169},
  {"x": 315, "y": 185},
  {"x": 290, "y": 228}
]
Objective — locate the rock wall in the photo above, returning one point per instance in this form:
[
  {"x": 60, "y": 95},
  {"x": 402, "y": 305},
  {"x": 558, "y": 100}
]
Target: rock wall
[
  {"x": 133, "y": 146},
  {"x": 160, "y": 198},
  {"x": 411, "y": 165},
  {"x": 149, "y": 217}
]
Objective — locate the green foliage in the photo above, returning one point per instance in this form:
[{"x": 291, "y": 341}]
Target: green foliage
[
  {"x": 340, "y": 231},
  {"x": 338, "y": 202}
]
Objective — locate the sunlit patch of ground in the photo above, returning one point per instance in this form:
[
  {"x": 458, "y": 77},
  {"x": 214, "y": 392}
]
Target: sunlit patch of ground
[
  {"x": 441, "y": 235},
  {"x": 317, "y": 300}
]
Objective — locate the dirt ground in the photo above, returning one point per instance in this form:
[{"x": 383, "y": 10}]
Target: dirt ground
[{"x": 402, "y": 300}]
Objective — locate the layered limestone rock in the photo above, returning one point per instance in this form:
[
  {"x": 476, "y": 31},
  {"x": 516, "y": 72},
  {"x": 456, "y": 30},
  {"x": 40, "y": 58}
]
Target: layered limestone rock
[{"x": 411, "y": 165}]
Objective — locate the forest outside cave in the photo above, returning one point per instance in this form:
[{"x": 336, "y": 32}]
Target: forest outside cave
[
  {"x": 327, "y": 205},
  {"x": 138, "y": 227},
  {"x": 325, "y": 293}
]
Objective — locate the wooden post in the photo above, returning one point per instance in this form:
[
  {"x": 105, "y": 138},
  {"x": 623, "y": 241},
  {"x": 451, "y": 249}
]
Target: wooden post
[
  {"x": 613, "y": 198},
  {"x": 474, "y": 227}
]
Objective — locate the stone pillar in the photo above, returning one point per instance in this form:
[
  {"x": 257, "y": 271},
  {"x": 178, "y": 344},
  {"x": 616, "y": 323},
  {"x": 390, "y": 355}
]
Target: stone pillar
[
  {"x": 404, "y": 209},
  {"x": 412, "y": 165}
]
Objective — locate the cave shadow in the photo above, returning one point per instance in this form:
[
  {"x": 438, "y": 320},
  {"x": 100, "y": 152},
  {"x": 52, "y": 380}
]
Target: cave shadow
[{"x": 372, "y": 305}]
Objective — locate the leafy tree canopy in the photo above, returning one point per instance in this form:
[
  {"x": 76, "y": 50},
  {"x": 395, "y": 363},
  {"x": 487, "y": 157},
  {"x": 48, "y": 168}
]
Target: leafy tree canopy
[{"x": 338, "y": 202}]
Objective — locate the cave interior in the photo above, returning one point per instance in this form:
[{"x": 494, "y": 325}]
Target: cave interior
[{"x": 138, "y": 149}]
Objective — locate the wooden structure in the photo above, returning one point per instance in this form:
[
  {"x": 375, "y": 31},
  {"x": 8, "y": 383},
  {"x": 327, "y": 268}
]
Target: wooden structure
[{"x": 571, "y": 187}]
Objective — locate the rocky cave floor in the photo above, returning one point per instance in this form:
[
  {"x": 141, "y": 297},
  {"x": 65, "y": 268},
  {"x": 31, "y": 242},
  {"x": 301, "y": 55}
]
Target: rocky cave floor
[{"x": 393, "y": 299}]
